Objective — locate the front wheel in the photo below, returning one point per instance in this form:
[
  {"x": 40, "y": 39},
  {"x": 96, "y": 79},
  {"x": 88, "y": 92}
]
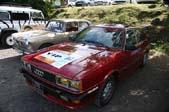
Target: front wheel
[
  {"x": 7, "y": 40},
  {"x": 105, "y": 92}
]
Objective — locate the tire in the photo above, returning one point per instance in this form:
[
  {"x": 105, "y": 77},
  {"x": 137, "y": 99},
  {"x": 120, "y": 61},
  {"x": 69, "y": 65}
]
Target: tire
[
  {"x": 45, "y": 45},
  {"x": 106, "y": 92},
  {"x": 145, "y": 59},
  {"x": 7, "y": 40}
]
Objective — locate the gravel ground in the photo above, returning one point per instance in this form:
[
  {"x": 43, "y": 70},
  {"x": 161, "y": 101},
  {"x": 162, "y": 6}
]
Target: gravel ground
[{"x": 146, "y": 91}]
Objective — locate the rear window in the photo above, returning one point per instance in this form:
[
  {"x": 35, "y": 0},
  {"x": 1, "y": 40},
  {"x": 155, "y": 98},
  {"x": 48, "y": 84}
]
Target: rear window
[
  {"x": 4, "y": 16},
  {"x": 19, "y": 16}
]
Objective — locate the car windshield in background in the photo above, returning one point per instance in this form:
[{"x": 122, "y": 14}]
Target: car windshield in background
[
  {"x": 4, "y": 16},
  {"x": 55, "y": 26},
  {"x": 107, "y": 37},
  {"x": 37, "y": 15}
]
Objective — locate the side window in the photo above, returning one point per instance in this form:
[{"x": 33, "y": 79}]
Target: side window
[
  {"x": 117, "y": 39},
  {"x": 55, "y": 26},
  {"x": 71, "y": 26},
  {"x": 83, "y": 25},
  {"x": 4, "y": 16},
  {"x": 131, "y": 38},
  {"x": 36, "y": 15},
  {"x": 138, "y": 36},
  {"x": 19, "y": 16}
]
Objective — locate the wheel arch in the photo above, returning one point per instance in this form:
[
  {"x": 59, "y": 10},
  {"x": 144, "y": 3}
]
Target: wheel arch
[
  {"x": 7, "y": 30},
  {"x": 114, "y": 74},
  {"x": 27, "y": 27}
]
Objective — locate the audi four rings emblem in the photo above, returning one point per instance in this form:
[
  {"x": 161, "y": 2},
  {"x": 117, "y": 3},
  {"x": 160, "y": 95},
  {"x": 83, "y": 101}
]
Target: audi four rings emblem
[{"x": 39, "y": 73}]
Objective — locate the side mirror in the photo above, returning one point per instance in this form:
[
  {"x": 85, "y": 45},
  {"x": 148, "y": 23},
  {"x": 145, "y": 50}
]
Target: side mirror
[{"x": 130, "y": 47}]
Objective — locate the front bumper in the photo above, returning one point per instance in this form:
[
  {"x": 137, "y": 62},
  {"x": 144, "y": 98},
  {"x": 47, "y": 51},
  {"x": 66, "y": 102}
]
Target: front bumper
[
  {"x": 21, "y": 50},
  {"x": 57, "y": 95}
]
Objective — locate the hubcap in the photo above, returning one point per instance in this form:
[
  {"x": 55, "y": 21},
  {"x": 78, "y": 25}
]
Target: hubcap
[
  {"x": 9, "y": 41},
  {"x": 107, "y": 91}
]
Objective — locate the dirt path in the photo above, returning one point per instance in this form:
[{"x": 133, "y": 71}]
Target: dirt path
[{"x": 146, "y": 91}]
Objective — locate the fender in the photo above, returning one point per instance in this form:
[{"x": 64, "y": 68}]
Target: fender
[
  {"x": 3, "y": 31},
  {"x": 114, "y": 73},
  {"x": 8, "y": 30}
]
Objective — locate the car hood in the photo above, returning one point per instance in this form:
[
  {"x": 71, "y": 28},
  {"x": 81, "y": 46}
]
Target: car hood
[
  {"x": 76, "y": 58},
  {"x": 33, "y": 34}
]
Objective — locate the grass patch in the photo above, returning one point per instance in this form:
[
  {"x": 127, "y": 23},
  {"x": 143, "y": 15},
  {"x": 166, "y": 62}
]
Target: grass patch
[{"x": 128, "y": 14}]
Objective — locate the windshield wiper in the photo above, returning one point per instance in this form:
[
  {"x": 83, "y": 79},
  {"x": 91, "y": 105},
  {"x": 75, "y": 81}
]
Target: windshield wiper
[{"x": 94, "y": 42}]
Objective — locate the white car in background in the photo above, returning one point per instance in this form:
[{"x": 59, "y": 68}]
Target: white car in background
[
  {"x": 71, "y": 3},
  {"x": 110, "y": 2},
  {"x": 85, "y": 2},
  {"x": 100, "y": 2},
  {"x": 18, "y": 18}
]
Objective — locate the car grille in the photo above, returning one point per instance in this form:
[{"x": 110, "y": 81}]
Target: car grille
[
  {"x": 47, "y": 89},
  {"x": 19, "y": 43},
  {"x": 43, "y": 74}
]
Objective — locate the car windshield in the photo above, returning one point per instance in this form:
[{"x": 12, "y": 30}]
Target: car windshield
[
  {"x": 107, "y": 37},
  {"x": 37, "y": 15},
  {"x": 4, "y": 16},
  {"x": 55, "y": 26}
]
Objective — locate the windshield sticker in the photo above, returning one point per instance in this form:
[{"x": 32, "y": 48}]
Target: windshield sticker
[{"x": 57, "y": 58}]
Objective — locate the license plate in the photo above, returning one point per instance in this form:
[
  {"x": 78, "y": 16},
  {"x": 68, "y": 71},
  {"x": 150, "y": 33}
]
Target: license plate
[{"x": 38, "y": 87}]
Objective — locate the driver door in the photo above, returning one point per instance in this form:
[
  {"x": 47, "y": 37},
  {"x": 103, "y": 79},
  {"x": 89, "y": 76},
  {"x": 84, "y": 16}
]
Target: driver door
[{"x": 131, "y": 54}]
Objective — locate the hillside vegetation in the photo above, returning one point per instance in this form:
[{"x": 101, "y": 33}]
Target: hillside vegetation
[{"x": 155, "y": 16}]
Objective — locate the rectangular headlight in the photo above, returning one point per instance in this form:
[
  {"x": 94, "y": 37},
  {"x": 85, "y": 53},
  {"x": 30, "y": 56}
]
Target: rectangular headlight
[
  {"x": 70, "y": 84},
  {"x": 64, "y": 81},
  {"x": 76, "y": 84}
]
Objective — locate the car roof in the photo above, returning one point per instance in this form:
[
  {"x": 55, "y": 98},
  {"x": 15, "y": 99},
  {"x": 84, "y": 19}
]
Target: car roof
[
  {"x": 18, "y": 9},
  {"x": 70, "y": 20},
  {"x": 121, "y": 26}
]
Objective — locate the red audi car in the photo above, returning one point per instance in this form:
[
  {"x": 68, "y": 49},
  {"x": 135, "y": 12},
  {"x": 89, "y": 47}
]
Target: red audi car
[{"x": 88, "y": 68}]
